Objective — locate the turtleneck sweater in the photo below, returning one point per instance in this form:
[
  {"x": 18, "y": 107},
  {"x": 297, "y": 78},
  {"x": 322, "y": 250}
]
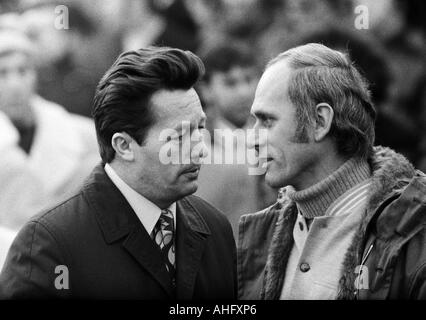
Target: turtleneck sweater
[
  {"x": 329, "y": 215},
  {"x": 315, "y": 200}
]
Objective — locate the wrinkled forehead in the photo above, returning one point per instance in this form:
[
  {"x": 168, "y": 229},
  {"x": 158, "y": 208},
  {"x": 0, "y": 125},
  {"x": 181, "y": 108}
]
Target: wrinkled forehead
[{"x": 174, "y": 106}]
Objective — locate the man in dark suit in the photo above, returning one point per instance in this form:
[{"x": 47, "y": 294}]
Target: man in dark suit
[{"x": 134, "y": 231}]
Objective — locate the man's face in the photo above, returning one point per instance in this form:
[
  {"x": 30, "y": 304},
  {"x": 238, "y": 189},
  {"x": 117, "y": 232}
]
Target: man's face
[
  {"x": 52, "y": 42},
  {"x": 288, "y": 161},
  {"x": 178, "y": 110},
  {"x": 17, "y": 82},
  {"x": 232, "y": 92}
]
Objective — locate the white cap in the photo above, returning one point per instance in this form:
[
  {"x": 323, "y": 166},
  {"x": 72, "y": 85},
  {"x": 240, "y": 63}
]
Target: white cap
[{"x": 12, "y": 36}]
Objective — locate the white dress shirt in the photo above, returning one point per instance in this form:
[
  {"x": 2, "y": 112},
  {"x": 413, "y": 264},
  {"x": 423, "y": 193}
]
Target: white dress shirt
[{"x": 147, "y": 212}]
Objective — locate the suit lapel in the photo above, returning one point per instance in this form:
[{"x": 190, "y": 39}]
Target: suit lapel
[
  {"x": 117, "y": 220},
  {"x": 191, "y": 237},
  {"x": 146, "y": 252}
]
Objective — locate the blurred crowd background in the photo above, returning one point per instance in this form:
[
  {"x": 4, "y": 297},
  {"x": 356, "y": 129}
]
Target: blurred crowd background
[{"x": 58, "y": 69}]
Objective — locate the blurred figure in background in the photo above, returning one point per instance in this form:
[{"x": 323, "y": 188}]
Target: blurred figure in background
[
  {"x": 67, "y": 70},
  {"x": 46, "y": 151},
  {"x": 228, "y": 91},
  {"x": 158, "y": 22},
  {"x": 229, "y": 84},
  {"x": 241, "y": 21},
  {"x": 8, "y": 5},
  {"x": 6, "y": 239},
  {"x": 179, "y": 28},
  {"x": 295, "y": 18},
  {"x": 417, "y": 108}
]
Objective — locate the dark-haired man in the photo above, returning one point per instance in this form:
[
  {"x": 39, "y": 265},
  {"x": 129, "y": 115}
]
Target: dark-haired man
[
  {"x": 350, "y": 222},
  {"x": 134, "y": 230}
]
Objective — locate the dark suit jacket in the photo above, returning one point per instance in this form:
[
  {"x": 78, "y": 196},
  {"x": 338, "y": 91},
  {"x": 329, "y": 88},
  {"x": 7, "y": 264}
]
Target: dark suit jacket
[{"x": 109, "y": 254}]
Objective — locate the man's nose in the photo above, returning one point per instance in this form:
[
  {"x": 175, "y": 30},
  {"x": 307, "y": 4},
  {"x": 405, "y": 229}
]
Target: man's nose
[
  {"x": 199, "y": 148},
  {"x": 252, "y": 139},
  {"x": 204, "y": 151}
]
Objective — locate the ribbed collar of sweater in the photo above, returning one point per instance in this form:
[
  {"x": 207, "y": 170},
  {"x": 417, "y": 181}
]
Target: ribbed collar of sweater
[{"x": 315, "y": 200}]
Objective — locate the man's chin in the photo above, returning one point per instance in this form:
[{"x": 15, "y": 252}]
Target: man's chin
[
  {"x": 272, "y": 180},
  {"x": 188, "y": 189}
]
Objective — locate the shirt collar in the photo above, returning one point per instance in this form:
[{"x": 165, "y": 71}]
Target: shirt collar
[{"x": 147, "y": 212}]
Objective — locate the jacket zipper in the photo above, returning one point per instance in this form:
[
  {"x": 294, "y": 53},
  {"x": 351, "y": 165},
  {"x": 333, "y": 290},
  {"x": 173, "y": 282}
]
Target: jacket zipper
[{"x": 361, "y": 268}]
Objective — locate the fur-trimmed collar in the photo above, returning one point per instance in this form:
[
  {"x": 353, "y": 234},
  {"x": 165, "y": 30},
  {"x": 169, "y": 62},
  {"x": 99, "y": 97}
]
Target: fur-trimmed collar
[{"x": 391, "y": 172}]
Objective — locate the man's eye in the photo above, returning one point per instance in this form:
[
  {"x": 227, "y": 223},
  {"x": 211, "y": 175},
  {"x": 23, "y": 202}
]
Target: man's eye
[
  {"x": 267, "y": 122},
  {"x": 174, "y": 138}
]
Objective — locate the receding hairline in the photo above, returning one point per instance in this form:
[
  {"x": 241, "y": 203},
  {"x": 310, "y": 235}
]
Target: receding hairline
[
  {"x": 319, "y": 74},
  {"x": 311, "y": 55}
]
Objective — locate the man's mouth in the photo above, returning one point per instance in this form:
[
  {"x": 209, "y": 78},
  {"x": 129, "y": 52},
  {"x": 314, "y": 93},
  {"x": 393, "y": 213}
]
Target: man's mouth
[
  {"x": 192, "y": 170},
  {"x": 266, "y": 162}
]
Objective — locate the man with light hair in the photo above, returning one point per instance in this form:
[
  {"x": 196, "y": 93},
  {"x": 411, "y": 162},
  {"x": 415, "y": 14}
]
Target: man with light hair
[{"x": 349, "y": 220}]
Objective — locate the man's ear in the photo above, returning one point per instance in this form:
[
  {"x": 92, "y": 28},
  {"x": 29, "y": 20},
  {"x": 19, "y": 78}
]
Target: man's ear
[
  {"x": 121, "y": 143},
  {"x": 324, "y": 119}
]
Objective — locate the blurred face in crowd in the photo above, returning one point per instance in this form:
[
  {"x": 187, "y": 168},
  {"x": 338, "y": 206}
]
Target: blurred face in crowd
[
  {"x": 232, "y": 93},
  {"x": 237, "y": 12},
  {"x": 40, "y": 25},
  {"x": 385, "y": 18},
  {"x": 17, "y": 85},
  {"x": 157, "y": 177},
  {"x": 289, "y": 161}
]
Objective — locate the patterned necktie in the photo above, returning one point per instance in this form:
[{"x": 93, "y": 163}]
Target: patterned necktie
[{"x": 164, "y": 237}]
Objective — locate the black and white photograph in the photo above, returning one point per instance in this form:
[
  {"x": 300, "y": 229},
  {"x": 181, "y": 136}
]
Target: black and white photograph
[{"x": 213, "y": 155}]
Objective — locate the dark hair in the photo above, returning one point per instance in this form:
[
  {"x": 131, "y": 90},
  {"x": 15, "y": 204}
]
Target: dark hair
[
  {"x": 223, "y": 57},
  {"x": 122, "y": 99},
  {"x": 413, "y": 13},
  {"x": 320, "y": 74}
]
